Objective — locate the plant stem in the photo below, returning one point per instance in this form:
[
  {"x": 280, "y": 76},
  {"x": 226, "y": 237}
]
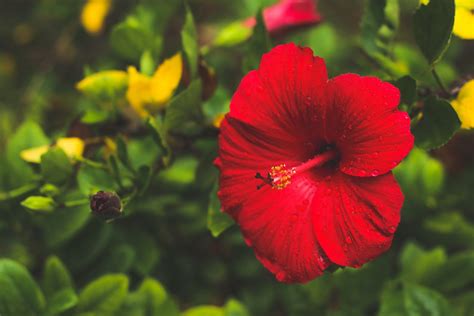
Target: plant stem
[
  {"x": 76, "y": 203},
  {"x": 18, "y": 191},
  {"x": 439, "y": 82}
]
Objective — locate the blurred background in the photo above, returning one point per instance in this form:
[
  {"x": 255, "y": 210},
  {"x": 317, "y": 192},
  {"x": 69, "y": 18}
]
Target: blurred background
[{"x": 166, "y": 230}]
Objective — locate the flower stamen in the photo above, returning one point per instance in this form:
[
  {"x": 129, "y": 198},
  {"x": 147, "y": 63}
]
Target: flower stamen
[{"x": 279, "y": 177}]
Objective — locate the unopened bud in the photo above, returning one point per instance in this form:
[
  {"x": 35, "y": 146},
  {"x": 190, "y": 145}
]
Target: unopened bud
[{"x": 106, "y": 205}]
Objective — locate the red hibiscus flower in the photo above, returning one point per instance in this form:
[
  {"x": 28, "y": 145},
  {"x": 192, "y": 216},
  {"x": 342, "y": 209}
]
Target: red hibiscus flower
[
  {"x": 305, "y": 164},
  {"x": 288, "y": 14}
]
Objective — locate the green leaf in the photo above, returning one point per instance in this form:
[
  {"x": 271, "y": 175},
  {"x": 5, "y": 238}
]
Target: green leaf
[
  {"x": 122, "y": 153},
  {"x": 131, "y": 38},
  {"x": 433, "y": 25},
  {"x": 204, "y": 310},
  {"x": 90, "y": 180},
  {"x": 146, "y": 251},
  {"x": 258, "y": 44},
  {"x": 454, "y": 274},
  {"x": 438, "y": 124},
  {"x": 147, "y": 63},
  {"x": 392, "y": 303},
  {"x": 28, "y": 135},
  {"x": 232, "y": 34},
  {"x": 19, "y": 293},
  {"x": 55, "y": 166},
  {"x": 379, "y": 25},
  {"x": 86, "y": 246},
  {"x": 104, "y": 295},
  {"x": 117, "y": 259},
  {"x": 422, "y": 301},
  {"x": 95, "y": 116},
  {"x": 421, "y": 177},
  {"x": 39, "y": 204},
  {"x": 64, "y": 223},
  {"x": 184, "y": 114},
  {"x": 155, "y": 299},
  {"x": 49, "y": 189},
  {"x": 217, "y": 221},
  {"x": 412, "y": 300},
  {"x": 61, "y": 301},
  {"x": 156, "y": 127},
  {"x": 107, "y": 85},
  {"x": 150, "y": 299},
  {"x": 189, "y": 38},
  {"x": 56, "y": 277},
  {"x": 450, "y": 229},
  {"x": 407, "y": 87},
  {"x": 418, "y": 264},
  {"x": 235, "y": 308}
]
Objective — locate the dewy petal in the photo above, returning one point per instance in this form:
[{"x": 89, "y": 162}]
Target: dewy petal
[
  {"x": 362, "y": 120},
  {"x": 275, "y": 223},
  {"x": 355, "y": 218},
  {"x": 281, "y": 94}
]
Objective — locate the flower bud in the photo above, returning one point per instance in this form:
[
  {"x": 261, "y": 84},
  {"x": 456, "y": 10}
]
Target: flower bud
[{"x": 106, "y": 205}]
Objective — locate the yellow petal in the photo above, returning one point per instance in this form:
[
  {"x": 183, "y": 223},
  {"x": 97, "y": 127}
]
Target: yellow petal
[
  {"x": 464, "y": 23},
  {"x": 166, "y": 79},
  {"x": 34, "y": 154},
  {"x": 72, "y": 146},
  {"x": 93, "y": 15},
  {"x": 108, "y": 83},
  {"x": 467, "y": 4},
  {"x": 139, "y": 93},
  {"x": 464, "y": 105}
]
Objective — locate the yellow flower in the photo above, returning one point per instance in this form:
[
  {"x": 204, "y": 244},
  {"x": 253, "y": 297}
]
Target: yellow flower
[
  {"x": 464, "y": 105},
  {"x": 147, "y": 94},
  {"x": 93, "y": 15},
  {"x": 464, "y": 19},
  {"x": 73, "y": 147}
]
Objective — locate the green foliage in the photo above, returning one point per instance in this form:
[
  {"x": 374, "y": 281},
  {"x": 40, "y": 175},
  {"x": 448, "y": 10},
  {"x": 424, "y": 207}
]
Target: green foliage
[
  {"x": 407, "y": 87},
  {"x": 135, "y": 35},
  {"x": 166, "y": 254},
  {"x": 39, "y": 203},
  {"x": 104, "y": 295},
  {"x": 28, "y": 135},
  {"x": 379, "y": 27},
  {"x": 189, "y": 40},
  {"x": 438, "y": 125},
  {"x": 217, "y": 221},
  {"x": 19, "y": 293},
  {"x": 184, "y": 112},
  {"x": 433, "y": 25},
  {"x": 258, "y": 44},
  {"x": 55, "y": 166},
  {"x": 421, "y": 177},
  {"x": 413, "y": 300}
]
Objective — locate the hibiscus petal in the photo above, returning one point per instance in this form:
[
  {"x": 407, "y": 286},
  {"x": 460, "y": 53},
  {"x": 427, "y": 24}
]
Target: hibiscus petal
[
  {"x": 361, "y": 118},
  {"x": 282, "y": 91},
  {"x": 276, "y": 223},
  {"x": 355, "y": 218}
]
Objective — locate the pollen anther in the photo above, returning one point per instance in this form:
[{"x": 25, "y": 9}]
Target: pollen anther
[{"x": 281, "y": 176}]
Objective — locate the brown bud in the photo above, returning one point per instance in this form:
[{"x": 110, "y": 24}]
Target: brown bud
[{"x": 106, "y": 205}]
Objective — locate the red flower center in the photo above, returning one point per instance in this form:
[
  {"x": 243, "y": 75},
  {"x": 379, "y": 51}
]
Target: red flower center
[{"x": 279, "y": 177}]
